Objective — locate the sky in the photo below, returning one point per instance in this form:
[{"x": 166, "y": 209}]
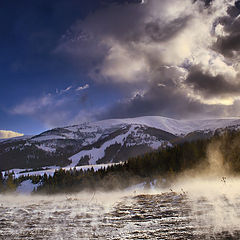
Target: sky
[{"x": 65, "y": 62}]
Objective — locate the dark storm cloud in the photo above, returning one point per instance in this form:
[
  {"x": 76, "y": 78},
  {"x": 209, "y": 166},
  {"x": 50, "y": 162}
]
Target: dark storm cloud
[
  {"x": 125, "y": 24},
  {"x": 233, "y": 11},
  {"x": 164, "y": 97},
  {"x": 108, "y": 38},
  {"x": 107, "y": 2},
  {"x": 119, "y": 21},
  {"x": 159, "y": 31},
  {"x": 206, "y": 2},
  {"x": 210, "y": 85},
  {"x": 121, "y": 47},
  {"x": 229, "y": 44},
  {"x": 85, "y": 41},
  {"x": 237, "y": 4},
  {"x": 161, "y": 101}
]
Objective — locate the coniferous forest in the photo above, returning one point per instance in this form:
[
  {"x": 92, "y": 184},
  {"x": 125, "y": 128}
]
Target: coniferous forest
[{"x": 165, "y": 164}]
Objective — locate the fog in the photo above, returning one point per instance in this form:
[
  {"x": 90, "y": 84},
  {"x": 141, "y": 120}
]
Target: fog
[
  {"x": 201, "y": 203},
  {"x": 213, "y": 191}
]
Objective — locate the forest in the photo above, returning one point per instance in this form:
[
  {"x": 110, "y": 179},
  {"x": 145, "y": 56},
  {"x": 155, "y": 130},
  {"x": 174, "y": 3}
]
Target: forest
[{"x": 167, "y": 163}]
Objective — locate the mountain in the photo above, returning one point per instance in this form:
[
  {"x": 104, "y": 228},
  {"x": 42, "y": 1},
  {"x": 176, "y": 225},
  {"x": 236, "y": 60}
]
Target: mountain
[{"x": 107, "y": 141}]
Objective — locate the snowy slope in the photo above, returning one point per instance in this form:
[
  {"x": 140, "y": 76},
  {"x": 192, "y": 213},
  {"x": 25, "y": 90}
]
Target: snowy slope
[
  {"x": 26, "y": 187},
  {"x": 51, "y": 169},
  {"x": 106, "y": 141},
  {"x": 14, "y": 139},
  {"x": 132, "y": 137},
  {"x": 97, "y": 153},
  {"x": 176, "y": 127}
]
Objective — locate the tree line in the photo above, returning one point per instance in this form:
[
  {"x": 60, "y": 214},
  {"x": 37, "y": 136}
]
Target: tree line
[{"x": 165, "y": 163}]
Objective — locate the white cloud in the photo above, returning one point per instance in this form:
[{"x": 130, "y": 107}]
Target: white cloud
[
  {"x": 31, "y": 106},
  {"x": 53, "y": 110},
  {"x": 9, "y": 134},
  {"x": 66, "y": 90},
  {"x": 123, "y": 64},
  {"x": 82, "y": 87},
  {"x": 141, "y": 46},
  {"x": 130, "y": 54}
]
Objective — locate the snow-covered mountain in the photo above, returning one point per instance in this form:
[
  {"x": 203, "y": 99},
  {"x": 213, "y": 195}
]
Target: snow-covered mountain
[{"x": 107, "y": 141}]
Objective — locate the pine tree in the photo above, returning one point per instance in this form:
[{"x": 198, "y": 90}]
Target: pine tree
[
  {"x": 10, "y": 185},
  {"x": 1, "y": 182}
]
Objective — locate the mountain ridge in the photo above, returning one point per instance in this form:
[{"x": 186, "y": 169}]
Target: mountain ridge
[{"x": 106, "y": 141}]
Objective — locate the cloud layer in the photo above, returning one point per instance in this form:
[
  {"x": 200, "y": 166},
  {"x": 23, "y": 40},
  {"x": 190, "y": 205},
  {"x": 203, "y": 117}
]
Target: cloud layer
[
  {"x": 9, "y": 134},
  {"x": 181, "y": 55},
  {"x": 61, "y": 108},
  {"x": 177, "y": 58}
]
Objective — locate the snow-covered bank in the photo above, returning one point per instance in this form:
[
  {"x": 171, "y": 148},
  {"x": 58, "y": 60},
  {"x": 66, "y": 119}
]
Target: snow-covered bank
[
  {"x": 51, "y": 169},
  {"x": 26, "y": 187}
]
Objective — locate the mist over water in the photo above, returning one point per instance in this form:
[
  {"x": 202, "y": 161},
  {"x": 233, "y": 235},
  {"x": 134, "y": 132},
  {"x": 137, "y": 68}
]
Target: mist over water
[
  {"x": 213, "y": 192},
  {"x": 201, "y": 204}
]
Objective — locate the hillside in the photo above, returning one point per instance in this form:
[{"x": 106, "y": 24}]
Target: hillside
[{"x": 107, "y": 141}]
